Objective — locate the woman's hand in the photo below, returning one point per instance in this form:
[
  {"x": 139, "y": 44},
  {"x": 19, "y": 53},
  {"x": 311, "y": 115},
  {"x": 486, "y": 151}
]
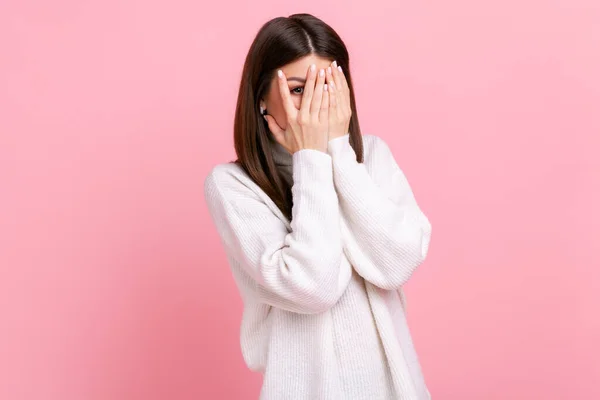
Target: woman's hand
[
  {"x": 307, "y": 127},
  {"x": 340, "y": 110}
]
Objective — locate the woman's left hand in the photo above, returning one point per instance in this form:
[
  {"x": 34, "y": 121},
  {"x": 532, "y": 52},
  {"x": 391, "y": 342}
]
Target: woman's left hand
[{"x": 340, "y": 110}]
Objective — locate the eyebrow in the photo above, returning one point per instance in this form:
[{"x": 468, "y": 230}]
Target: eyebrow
[{"x": 294, "y": 78}]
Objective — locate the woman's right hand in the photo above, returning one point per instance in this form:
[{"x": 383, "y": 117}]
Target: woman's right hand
[{"x": 307, "y": 128}]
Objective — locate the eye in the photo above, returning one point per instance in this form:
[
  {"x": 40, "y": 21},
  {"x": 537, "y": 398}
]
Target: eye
[{"x": 298, "y": 90}]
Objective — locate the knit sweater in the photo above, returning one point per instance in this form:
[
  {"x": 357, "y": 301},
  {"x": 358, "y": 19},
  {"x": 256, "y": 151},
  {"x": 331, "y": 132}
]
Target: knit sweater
[{"x": 324, "y": 313}]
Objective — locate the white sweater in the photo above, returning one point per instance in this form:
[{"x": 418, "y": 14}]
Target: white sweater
[{"x": 324, "y": 315}]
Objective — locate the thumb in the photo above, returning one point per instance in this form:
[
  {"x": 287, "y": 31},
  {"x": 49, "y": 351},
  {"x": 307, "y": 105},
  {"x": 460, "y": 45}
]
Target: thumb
[{"x": 275, "y": 129}]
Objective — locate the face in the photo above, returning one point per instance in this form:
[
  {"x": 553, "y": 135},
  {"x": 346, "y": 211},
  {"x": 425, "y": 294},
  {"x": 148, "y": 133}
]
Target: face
[{"x": 296, "y": 75}]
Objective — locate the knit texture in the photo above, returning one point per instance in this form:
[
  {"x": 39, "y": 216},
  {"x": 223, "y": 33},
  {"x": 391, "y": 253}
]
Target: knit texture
[{"x": 324, "y": 313}]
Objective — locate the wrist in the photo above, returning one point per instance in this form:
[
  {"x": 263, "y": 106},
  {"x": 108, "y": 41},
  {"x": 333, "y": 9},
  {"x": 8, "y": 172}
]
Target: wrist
[
  {"x": 337, "y": 144},
  {"x": 337, "y": 136}
]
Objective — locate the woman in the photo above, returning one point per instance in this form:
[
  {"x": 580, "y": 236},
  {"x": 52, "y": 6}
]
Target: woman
[{"x": 320, "y": 242}]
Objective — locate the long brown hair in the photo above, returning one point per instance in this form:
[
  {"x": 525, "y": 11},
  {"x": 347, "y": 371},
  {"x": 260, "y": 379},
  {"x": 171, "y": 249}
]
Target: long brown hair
[{"x": 279, "y": 42}]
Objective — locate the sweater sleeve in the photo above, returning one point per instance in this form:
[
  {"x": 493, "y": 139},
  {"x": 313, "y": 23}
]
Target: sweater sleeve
[
  {"x": 387, "y": 233},
  {"x": 301, "y": 270}
]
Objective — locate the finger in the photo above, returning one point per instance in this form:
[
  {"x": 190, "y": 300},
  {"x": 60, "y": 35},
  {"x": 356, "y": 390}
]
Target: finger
[
  {"x": 333, "y": 98},
  {"x": 324, "y": 111},
  {"x": 342, "y": 78},
  {"x": 315, "y": 105},
  {"x": 284, "y": 91},
  {"x": 309, "y": 88},
  {"x": 336, "y": 76},
  {"x": 275, "y": 129},
  {"x": 342, "y": 85},
  {"x": 340, "y": 100}
]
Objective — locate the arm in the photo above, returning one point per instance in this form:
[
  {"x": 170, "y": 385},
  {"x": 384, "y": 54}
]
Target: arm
[
  {"x": 303, "y": 270},
  {"x": 388, "y": 235}
]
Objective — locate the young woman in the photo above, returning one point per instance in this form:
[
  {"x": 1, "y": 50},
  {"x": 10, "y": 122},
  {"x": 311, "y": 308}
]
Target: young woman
[{"x": 320, "y": 227}]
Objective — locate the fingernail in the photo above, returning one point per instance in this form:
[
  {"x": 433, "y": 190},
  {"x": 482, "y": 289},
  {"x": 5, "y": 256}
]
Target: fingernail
[
  {"x": 340, "y": 68},
  {"x": 332, "y": 85},
  {"x": 313, "y": 67},
  {"x": 325, "y": 87},
  {"x": 329, "y": 70},
  {"x": 321, "y": 72},
  {"x": 280, "y": 73},
  {"x": 334, "y": 64}
]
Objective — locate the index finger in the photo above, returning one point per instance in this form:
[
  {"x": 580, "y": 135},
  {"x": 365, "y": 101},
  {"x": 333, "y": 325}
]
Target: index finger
[{"x": 284, "y": 91}]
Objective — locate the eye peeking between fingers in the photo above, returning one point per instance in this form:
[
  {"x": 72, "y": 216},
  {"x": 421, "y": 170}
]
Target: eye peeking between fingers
[{"x": 299, "y": 90}]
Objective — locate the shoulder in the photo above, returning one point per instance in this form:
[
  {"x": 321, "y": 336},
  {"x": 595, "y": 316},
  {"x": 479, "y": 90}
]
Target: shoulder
[
  {"x": 376, "y": 149},
  {"x": 379, "y": 159},
  {"x": 230, "y": 194},
  {"x": 224, "y": 172},
  {"x": 227, "y": 181}
]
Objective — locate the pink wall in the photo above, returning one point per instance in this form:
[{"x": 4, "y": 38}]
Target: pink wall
[{"x": 113, "y": 284}]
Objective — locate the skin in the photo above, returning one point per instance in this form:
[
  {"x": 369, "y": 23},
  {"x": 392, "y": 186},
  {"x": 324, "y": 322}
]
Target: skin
[{"x": 308, "y": 104}]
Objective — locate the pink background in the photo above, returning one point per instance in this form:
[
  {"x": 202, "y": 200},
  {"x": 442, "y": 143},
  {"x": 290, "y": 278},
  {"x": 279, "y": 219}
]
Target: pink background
[{"x": 113, "y": 282}]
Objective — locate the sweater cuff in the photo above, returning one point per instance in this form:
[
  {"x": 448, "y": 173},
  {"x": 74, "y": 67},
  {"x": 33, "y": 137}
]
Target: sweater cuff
[
  {"x": 312, "y": 166},
  {"x": 337, "y": 145}
]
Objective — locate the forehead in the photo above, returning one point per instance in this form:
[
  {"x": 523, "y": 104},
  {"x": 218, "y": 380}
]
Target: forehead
[{"x": 299, "y": 68}]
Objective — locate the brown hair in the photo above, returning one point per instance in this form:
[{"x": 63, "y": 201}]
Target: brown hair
[{"x": 279, "y": 42}]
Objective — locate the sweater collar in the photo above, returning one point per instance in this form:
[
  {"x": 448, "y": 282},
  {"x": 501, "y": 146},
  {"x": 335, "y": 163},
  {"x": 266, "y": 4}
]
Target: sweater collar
[{"x": 280, "y": 155}]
